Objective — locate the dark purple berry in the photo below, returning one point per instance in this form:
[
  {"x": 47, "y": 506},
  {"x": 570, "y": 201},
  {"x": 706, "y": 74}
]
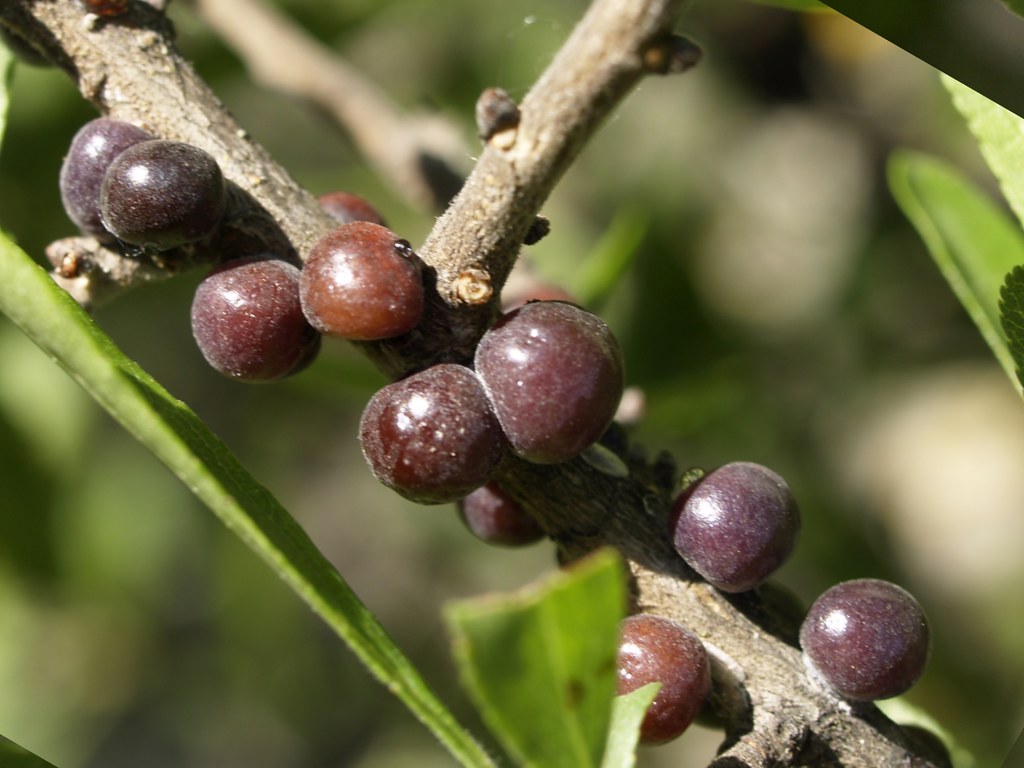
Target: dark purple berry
[
  {"x": 653, "y": 649},
  {"x": 161, "y": 194},
  {"x": 868, "y": 639},
  {"x": 344, "y": 207},
  {"x": 736, "y": 525},
  {"x": 248, "y": 323},
  {"x": 432, "y": 436},
  {"x": 554, "y": 374},
  {"x": 494, "y": 517},
  {"x": 361, "y": 282},
  {"x": 96, "y": 145}
]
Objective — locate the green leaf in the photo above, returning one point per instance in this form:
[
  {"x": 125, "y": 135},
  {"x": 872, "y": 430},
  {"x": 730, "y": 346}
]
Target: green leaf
[
  {"x": 14, "y": 756},
  {"x": 1017, "y": 6},
  {"x": 177, "y": 437},
  {"x": 1011, "y": 305},
  {"x": 624, "y": 734},
  {"x": 1000, "y": 135},
  {"x": 973, "y": 242},
  {"x": 540, "y": 663},
  {"x": 932, "y": 31}
]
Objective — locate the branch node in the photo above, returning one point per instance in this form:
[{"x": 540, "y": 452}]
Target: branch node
[
  {"x": 497, "y": 118},
  {"x": 92, "y": 271},
  {"x": 538, "y": 230},
  {"x": 672, "y": 55},
  {"x": 68, "y": 259},
  {"x": 473, "y": 287}
]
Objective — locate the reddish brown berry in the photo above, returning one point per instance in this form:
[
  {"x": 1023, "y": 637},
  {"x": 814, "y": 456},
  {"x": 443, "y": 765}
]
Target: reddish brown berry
[
  {"x": 653, "y": 649},
  {"x": 432, "y": 436},
  {"x": 344, "y": 207},
  {"x": 494, "y": 517},
  {"x": 361, "y": 282}
]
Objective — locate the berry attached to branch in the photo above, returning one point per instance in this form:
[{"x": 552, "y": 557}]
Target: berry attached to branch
[
  {"x": 160, "y": 194},
  {"x": 554, "y": 374},
  {"x": 96, "y": 145},
  {"x": 868, "y": 639},
  {"x": 248, "y": 323},
  {"x": 432, "y": 437},
  {"x": 736, "y": 526},
  {"x": 653, "y": 649},
  {"x": 496, "y": 518},
  {"x": 362, "y": 283},
  {"x": 346, "y": 207}
]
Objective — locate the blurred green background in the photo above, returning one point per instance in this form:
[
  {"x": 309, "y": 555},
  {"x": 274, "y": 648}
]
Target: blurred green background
[{"x": 776, "y": 307}]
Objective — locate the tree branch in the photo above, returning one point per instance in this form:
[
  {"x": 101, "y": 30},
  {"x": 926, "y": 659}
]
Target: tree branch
[{"x": 614, "y": 495}]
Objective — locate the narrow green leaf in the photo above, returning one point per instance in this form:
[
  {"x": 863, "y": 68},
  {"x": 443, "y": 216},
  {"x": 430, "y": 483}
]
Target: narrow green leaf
[
  {"x": 624, "y": 734},
  {"x": 177, "y": 437},
  {"x": 15, "y": 756},
  {"x": 1000, "y": 134},
  {"x": 933, "y": 31},
  {"x": 973, "y": 242},
  {"x": 540, "y": 663},
  {"x": 1011, "y": 305}
]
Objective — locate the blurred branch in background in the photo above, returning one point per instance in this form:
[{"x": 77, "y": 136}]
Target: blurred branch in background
[{"x": 416, "y": 153}]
